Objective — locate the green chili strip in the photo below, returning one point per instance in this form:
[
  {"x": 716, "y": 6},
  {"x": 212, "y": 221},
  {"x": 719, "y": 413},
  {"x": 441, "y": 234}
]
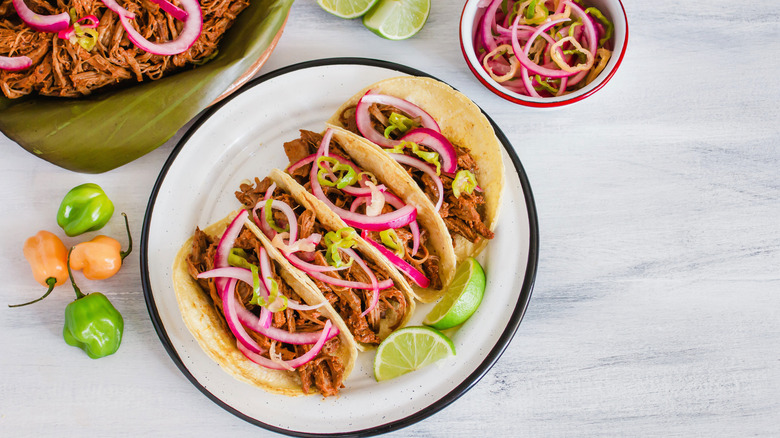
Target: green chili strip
[
  {"x": 608, "y": 24},
  {"x": 348, "y": 173},
  {"x": 343, "y": 238},
  {"x": 399, "y": 122},
  {"x": 545, "y": 85},
  {"x": 464, "y": 182},
  {"x": 429, "y": 157},
  {"x": 269, "y": 217},
  {"x": 391, "y": 240},
  {"x": 237, "y": 257},
  {"x": 573, "y": 27}
]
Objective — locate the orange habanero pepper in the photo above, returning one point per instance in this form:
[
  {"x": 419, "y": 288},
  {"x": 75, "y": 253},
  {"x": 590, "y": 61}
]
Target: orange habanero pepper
[
  {"x": 48, "y": 260},
  {"x": 101, "y": 257}
]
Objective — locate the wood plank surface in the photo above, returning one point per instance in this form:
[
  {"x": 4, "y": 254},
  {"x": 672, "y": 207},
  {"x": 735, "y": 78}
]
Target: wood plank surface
[{"x": 656, "y": 308}]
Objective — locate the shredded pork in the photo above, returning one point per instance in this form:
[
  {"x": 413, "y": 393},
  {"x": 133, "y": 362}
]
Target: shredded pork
[
  {"x": 326, "y": 372},
  {"x": 63, "y": 69}
]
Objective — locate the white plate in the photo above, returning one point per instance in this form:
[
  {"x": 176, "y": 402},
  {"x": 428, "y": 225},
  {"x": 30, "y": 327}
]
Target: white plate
[{"x": 241, "y": 138}]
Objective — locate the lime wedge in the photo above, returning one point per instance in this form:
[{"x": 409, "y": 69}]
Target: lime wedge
[
  {"x": 347, "y": 8},
  {"x": 397, "y": 19},
  {"x": 461, "y": 299},
  {"x": 409, "y": 349}
]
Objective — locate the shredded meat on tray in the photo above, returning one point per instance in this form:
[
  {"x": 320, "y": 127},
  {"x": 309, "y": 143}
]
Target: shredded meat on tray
[
  {"x": 349, "y": 303},
  {"x": 326, "y": 371},
  {"x": 464, "y": 215},
  {"x": 308, "y": 144},
  {"x": 63, "y": 69}
]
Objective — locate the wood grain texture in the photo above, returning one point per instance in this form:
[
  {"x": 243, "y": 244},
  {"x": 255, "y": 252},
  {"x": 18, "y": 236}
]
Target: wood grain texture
[{"x": 656, "y": 310}]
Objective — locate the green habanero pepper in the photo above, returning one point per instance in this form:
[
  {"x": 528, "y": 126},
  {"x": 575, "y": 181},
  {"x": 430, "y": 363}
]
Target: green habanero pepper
[
  {"x": 92, "y": 323},
  {"x": 84, "y": 208}
]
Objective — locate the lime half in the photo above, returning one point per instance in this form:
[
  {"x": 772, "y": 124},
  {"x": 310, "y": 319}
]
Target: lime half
[
  {"x": 347, "y": 8},
  {"x": 462, "y": 297},
  {"x": 409, "y": 349},
  {"x": 397, "y": 19}
]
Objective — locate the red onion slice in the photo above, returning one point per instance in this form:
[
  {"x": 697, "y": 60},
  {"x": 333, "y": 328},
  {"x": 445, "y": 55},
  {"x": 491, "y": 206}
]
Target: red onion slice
[
  {"x": 43, "y": 23},
  {"x": 363, "y": 118},
  {"x": 229, "y": 306},
  {"x": 187, "y": 37},
  {"x": 395, "y": 219},
  {"x": 396, "y": 202},
  {"x": 437, "y": 142},
  {"x": 172, "y": 9},
  {"x": 289, "y": 364},
  {"x": 253, "y": 322},
  {"x": 310, "y": 267},
  {"x": 310, "y": 159},
  {"x": 241, "y": 274},
  {"x": 427, "y": 169},
  {"x": 382, "y": 285},
  {"x": 226, "y": 243},
  {"x": 410, "y": 271},
  {"x": 245, "y": 275},
  {"x": 264, "y": 227},
  {"x": 14, "y": 63},
  {"x": 288, "y": 212},
  {"x": 522, "y": 55},
  {"x": 119, "y": 10}
]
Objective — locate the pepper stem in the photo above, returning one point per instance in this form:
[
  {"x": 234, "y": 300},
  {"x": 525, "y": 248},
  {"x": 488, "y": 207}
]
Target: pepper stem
[
  {"x": 72, "y": 281},
  {"x": 51, "y": 281},
  {"x": 127, "y": 252}
]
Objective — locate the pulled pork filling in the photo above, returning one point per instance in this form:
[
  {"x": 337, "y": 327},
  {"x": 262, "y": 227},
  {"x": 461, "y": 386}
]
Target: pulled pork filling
[
  {"x": 425, "y": 260},
  {"x": 326, "y": 371},
  {"x": 61, "y": 68},
  {"x": 349, "y": 303},
  {"x": 463, "y": 215}
]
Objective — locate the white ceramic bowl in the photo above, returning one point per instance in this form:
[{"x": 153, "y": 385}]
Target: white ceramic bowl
[{"x": 469, "y": 23}]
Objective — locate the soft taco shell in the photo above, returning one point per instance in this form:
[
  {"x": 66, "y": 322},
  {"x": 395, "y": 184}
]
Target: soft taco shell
[
  {"x": 331, "y": 221},
  {"x": 208, "y": 327},
  {"x": 372, "y": 159},
  {"x": 464, "y": 124}
]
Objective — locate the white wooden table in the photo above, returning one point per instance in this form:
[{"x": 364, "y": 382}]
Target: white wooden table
[{"x": 656, "y": 309}]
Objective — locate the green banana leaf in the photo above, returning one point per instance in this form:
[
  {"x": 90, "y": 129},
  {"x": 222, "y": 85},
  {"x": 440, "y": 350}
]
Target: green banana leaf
[{"x": 100, "y": 133}]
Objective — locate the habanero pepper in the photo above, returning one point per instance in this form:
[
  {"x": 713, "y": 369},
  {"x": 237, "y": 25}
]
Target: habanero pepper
[
  {"x": 84, "y": 208},
  {"x": 101, "y": 257},
  {"x": 47, "y": 257},
  {"x": 92, "y": 323}
]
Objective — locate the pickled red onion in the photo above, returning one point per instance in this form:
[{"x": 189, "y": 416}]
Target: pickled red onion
[
  {"x": 293, "y": 363},
  {"x": 439, "y": 143},
  {"x": 425, "y": 168},
  {"x": 172, "y": 9},
  {"x": 14, "y": 63},
  {"x": 363, "y": 118},
  {"x": 409, "y": 270},
  {"x": 119, "y": 10},
  {"x": 193, "y": 26},
  {"x": 43, "y": 23},
  {"x": 229, "y": 304},
  {"x": 395, "y": 219},
  {"x": 226, "y": 243}
]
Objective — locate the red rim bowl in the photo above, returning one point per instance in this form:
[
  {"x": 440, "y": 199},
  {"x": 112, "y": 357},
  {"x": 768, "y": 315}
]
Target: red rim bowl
[{"x": 612, "y": 9}]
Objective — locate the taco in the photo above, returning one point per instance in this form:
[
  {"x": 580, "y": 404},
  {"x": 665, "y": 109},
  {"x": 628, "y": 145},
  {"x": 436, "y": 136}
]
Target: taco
[
  {"x": 444, "y": 144},
  {"x": 371, "y": 297},
  {"x": 356, "y": 186},
  {"x": 255, "y": 318}
]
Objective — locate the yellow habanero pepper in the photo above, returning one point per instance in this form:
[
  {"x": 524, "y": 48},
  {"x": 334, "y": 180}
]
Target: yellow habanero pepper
[
  {"x": 101, "y": 257},
  {"x": 48, "y": 260}
]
